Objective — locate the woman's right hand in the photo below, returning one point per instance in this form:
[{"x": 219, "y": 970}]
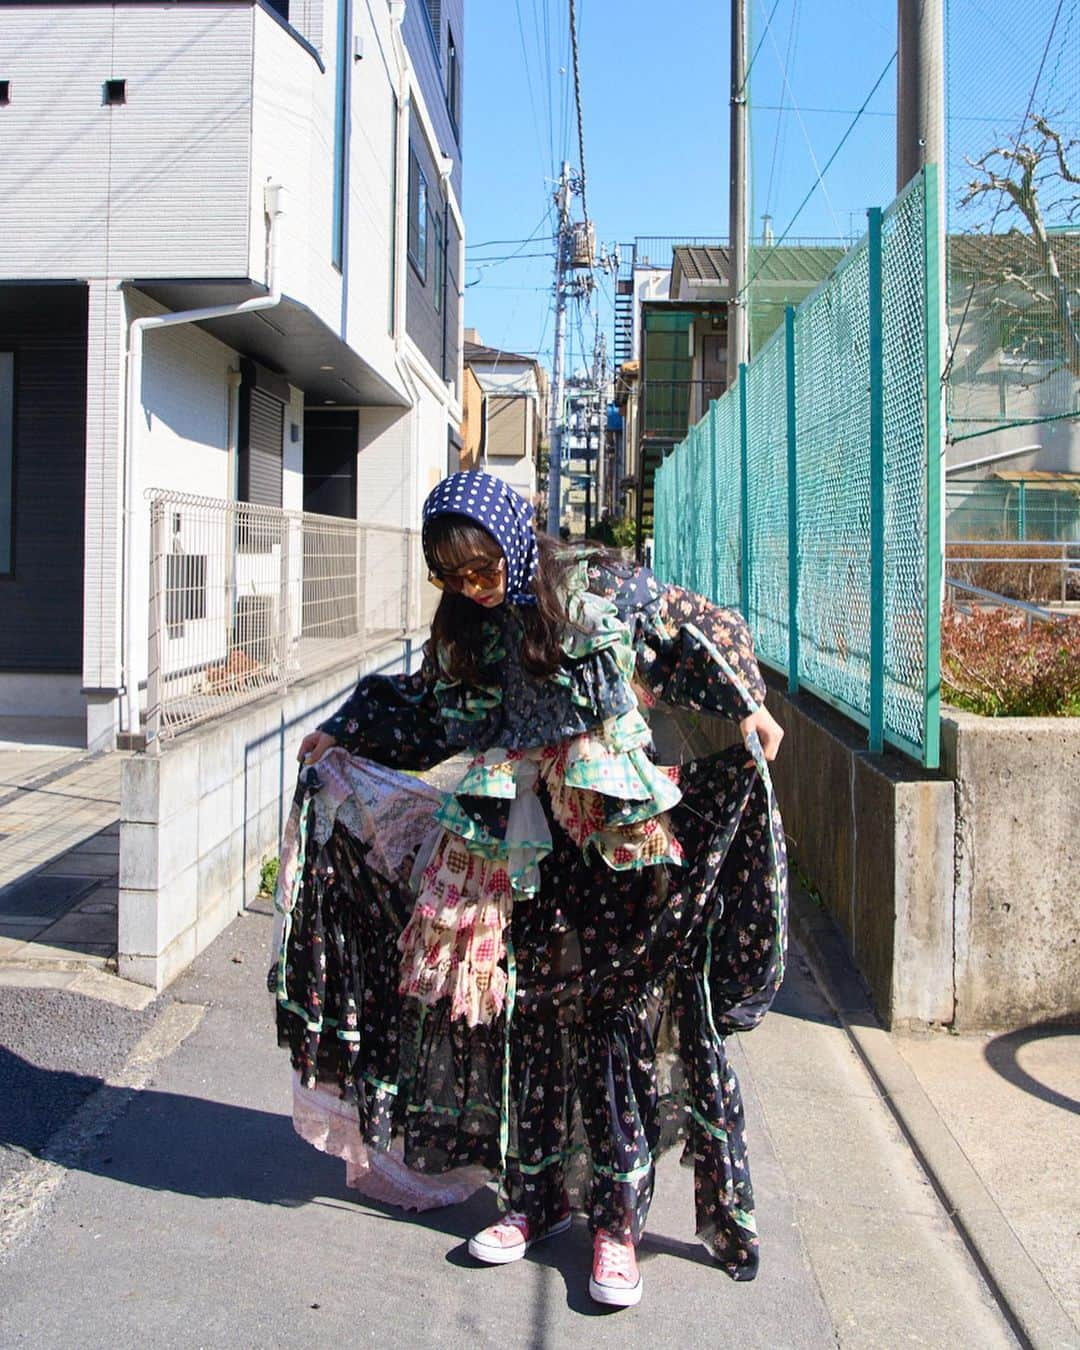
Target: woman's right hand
[{"x": 314, "y": 745}]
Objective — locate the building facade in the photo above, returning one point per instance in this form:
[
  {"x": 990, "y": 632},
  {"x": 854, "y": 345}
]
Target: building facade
[{"x": 280, "y": 182}]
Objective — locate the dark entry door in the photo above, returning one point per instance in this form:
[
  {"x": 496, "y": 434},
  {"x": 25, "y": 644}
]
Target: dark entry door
[
  {"x": 331, "y": 552},
  {"x": 330, "y": 445}
]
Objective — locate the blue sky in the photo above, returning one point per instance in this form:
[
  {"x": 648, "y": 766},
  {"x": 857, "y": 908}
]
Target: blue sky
[{"x": 655, "y": 97}]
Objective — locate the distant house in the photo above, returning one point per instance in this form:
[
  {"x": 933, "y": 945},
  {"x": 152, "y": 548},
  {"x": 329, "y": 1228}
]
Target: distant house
[
  {"x": 164, "y": 159},
  {"x": 671, "y": 339},
  {"x": 505, "y": 413}
]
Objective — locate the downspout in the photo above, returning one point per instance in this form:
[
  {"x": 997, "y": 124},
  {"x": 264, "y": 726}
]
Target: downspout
[{"x": 272, "y": 209}]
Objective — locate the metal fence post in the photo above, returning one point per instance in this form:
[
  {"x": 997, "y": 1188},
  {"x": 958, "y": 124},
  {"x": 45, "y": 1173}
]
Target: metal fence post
[
  {"x": 744, "y": 485},
  {"x": 792, "y": 503},
  {"x": 935, "y": 341},
  {"x": 714, "y": 504},
  {"x": 360, "y": 541},
  {"x": 285, "y": 527},
  {"x": 877, "y": 488},
  {"x": 156, "y": 644}
]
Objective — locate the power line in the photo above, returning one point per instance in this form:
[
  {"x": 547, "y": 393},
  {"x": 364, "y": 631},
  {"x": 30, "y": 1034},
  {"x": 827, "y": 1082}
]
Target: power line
[
  {"x": 577, "y": 100},
  {"x": 802, "y": 124},
  {"x": 828, "y": 163}
]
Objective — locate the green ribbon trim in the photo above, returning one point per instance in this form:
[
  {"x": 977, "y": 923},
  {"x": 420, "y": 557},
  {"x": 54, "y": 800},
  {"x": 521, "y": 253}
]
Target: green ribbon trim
[
  {"x": 714, "y": 1130},
  {"x": 429, "y": 1108},
  {"x": 635, "y": 1173},
  {"x": 511, "y": 998},
  {"x": 534, "y": 1169}
]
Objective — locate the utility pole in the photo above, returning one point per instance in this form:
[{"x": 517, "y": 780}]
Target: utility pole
[
  {"x": 738, "y": 341},
  {"x": 555, "y": 423},
  {"x": 920, "y": 87}
]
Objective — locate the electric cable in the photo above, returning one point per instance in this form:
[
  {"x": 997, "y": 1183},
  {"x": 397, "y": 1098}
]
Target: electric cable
[
  {"x": 813, "y": 188},
  {"x": 806, "y": 134}
]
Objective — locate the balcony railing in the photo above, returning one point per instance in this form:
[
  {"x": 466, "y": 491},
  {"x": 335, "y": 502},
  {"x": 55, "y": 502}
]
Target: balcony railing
[
  {"x": 668, "y": 408},
  {"x": 245, "y": 600}
]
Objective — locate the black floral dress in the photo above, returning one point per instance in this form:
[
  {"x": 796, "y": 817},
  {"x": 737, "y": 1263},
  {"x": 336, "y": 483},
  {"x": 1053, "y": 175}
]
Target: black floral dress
[{"x": 641, "y": 933}]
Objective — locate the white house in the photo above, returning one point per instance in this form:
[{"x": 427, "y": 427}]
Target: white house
[
  {"x": 160, "y": 159},
  {"x": 231, "y": 245}
]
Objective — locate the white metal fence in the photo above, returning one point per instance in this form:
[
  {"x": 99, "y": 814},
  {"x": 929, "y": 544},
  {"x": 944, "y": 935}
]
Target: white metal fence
[{"x": 246, "y": 599}]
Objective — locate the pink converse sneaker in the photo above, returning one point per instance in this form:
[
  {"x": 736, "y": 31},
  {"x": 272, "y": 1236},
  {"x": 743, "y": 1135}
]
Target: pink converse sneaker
[
  {"x": 510, "y": 1238},
  {"x": 616, "y": 1279}
]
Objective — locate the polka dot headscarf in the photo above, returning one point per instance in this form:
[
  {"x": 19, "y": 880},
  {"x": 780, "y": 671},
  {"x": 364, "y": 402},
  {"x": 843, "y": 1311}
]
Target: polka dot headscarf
[{"x": 499, "y": 510}]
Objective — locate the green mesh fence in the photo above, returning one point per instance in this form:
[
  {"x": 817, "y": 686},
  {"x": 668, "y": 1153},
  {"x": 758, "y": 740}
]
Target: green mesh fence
[
  {"x": 1013, "y": 507},
  {"x": 766, "y": 486},
  {"x": 829, "y": 449},
  {"x": 1012, "y": 73}
]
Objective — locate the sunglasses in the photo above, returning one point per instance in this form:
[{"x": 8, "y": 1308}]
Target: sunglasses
[{"x": 482, "y": 578}]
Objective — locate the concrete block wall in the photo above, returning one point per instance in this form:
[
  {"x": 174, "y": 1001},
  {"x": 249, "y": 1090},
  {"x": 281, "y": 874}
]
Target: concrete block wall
[
  {"x": 956, "y": 892},
  {"x": 198, "y": 819},
  {"x": 1017, "y": 897}
]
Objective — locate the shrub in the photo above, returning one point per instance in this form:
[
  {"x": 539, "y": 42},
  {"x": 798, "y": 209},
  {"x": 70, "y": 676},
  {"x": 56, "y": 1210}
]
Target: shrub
[
  {"x": 1036, "y": 582},
  {"x": 992, "y": 664},
  {"x": 268, "y": 876}
]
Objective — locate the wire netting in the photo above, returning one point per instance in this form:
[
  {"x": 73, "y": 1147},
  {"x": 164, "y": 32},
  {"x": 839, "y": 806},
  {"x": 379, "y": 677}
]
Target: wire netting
[
  {"x": 1012, "y": 196},
  {"x": 832, "y": 418},
  {"x": 832, "y": 532},
  {"x": 904, "y": 321},
  {"x": 767, "y": 488}
]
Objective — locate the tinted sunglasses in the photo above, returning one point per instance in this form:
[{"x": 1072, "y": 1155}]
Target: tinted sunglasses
[{"x": 483, "y": 578}]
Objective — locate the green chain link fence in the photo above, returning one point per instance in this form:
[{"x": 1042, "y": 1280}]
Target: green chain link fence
[{"x": 809, "y": 496}]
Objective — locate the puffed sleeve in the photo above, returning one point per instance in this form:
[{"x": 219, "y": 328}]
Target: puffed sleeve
[
  {"x": 690, "y": 652},
  {"x": 393, "y": 720}
]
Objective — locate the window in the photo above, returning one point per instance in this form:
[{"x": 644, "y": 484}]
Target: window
[
  {"x": 418, "y": 214},
  {"x": 114, "y": 93},
  {"x": 7, "y": 446},
  {"x": 5, "y": 91},
  {"x": 438, "y": 260},
  {"x": 453, "y": 82}
]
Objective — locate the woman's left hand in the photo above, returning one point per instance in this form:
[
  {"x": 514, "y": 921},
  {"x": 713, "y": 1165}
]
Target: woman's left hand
[{"x": 769, "y": 731}]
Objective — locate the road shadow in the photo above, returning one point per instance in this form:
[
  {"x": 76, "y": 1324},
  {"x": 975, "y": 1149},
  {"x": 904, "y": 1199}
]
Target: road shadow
[{"x": 1002, "y": 1054}]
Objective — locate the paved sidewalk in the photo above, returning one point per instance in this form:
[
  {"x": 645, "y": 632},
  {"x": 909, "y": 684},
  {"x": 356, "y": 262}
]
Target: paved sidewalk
[
  {"x": 181, "y": 1197},
  {"x": 995, "y": 1122},
  {"x": 59, "y": 859}
]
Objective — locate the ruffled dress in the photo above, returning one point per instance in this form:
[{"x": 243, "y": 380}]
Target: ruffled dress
[{"x": 532, "y": 976}]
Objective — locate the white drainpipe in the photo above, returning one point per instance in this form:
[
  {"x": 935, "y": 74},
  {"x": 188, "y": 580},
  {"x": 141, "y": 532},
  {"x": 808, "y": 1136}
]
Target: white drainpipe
[
  {"x": 272, "y": 209},
  {"x": 990, "y": 459}
]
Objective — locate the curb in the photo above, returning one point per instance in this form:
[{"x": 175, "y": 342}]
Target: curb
[{"x": 1017, "y": 1284}]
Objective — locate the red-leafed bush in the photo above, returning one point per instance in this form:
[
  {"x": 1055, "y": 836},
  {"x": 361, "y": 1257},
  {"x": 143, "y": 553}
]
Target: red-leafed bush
[{"x": 991, "y": 663}]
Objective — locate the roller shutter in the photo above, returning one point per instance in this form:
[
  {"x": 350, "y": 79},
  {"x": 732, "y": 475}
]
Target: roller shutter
[{"x": 263, "y": 396}]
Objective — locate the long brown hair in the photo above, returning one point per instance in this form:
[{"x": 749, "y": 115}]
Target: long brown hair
[{"x": 457, "y": 629}]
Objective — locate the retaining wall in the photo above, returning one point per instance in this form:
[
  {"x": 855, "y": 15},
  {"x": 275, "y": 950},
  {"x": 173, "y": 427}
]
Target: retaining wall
[
  {"x": 198, "y": 819},
  {"x": 956, "y": 892},
  {"x": 1017, "y": 875}
]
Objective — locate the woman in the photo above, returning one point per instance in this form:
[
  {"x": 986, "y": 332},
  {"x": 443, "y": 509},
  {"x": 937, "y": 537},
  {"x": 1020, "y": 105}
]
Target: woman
[{"x": 569, "y": 903}]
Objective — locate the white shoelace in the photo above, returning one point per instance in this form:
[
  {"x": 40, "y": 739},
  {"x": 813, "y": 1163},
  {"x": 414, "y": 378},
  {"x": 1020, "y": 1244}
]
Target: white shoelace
[{"x": 616, "y": 1259}]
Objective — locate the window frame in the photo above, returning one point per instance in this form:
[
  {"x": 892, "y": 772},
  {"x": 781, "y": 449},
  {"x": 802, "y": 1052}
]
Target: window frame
[
  {"x": 439, "y": 261},
  {"x": 417, "y": 232},
  {"x": 453, "y": 83},
  {"x": 8, "y": 359}
]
